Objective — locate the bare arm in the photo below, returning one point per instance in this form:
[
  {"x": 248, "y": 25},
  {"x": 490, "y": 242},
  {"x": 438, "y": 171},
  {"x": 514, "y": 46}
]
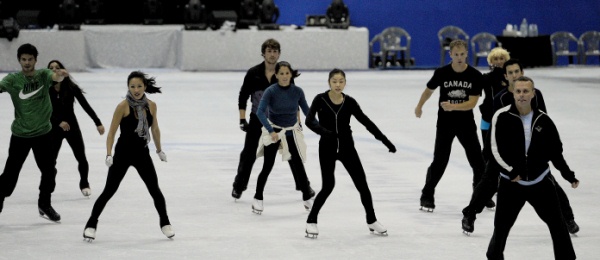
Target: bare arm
[
  {"x": 242, "y": 113},
  {"x": 464, "y": 106},
  {"x": 155, "y": 129},
  {"x": 424, "y": 97},
  {"x": 114, "y": 125}
]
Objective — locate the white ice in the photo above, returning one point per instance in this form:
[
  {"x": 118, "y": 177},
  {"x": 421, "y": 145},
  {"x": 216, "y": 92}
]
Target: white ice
[{"x": 198, "y": 117}]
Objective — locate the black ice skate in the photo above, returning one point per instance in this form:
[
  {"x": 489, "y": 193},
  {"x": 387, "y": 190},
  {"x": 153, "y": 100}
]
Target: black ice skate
[
  {"x": 572, "y": 226},
  {"x": 490, "y": 204},
  {"x": 427, "y": 205},
  {"x": 236, "y": 194},
  {"x": 468, "y": 225},
  {"x": 49, "y": 213}
]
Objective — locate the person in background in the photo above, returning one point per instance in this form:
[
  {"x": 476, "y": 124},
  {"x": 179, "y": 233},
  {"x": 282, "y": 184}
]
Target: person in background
[
  {"x": 31, "y": 128},
  {"x": 136, "y": 116},
  {"x": 65, "y": 125},
  {"x": 335, "y": 109},
  {"x": 460, "y": 87}
]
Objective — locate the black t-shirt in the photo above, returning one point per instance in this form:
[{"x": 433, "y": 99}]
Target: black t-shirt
[{"x": 456, "y": 88}]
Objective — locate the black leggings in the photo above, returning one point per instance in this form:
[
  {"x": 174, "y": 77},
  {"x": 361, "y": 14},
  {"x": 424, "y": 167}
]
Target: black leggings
[
  {"x": 18, "y": 151},
  {"x": 75, "y": 140},
  {"x": 296, "y": 165},
  {"x": 466, "y": 132},
  {"x": 141, "y": 161},
  {"x": 349, "y": 158},
  {"x": 248, "y": 154}
]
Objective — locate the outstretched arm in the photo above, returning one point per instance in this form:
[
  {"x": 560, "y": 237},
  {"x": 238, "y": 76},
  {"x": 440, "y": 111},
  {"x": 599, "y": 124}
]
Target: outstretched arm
[
  {"x": 114, "y": 125},
  {"x": 60, "y": 75}
]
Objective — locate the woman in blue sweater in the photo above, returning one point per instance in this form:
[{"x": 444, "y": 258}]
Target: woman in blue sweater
[
  {"x": 334, "y": 109},
  {"x": 278, "y": 113}
]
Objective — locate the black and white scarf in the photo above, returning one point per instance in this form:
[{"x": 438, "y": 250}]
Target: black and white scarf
[{"x": 139, "y": 105}]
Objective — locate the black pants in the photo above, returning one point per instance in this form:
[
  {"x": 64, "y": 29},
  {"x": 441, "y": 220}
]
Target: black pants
[
  {"x": 542, "y": 196},
  {"x": 248, "y": 154},
  {"x": 487, "y": 187},
  {"x": 75, "y": 140},
  {"x": 349, "y": 158},
  {"x": 141, "y": 161},
  {"x": 296, "y": 165},
  {"x": 466, "y": 132},
  {"x": 18, "y": 150}
]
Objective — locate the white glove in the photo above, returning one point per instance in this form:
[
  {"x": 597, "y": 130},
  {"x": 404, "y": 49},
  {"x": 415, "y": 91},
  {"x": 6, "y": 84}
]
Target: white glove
[
  {"x": 109, "y": 160},
  {"x": 162, "y": 156}
]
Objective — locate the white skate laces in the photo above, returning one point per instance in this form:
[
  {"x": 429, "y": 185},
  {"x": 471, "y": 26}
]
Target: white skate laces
[
  {"x": 89, "y": 234},
  {"x": 257, "y": 206},
  {"x": 377, "y": 228},
  {"x": 311, "y": 230},
  {"x": 168, "y": 231}
]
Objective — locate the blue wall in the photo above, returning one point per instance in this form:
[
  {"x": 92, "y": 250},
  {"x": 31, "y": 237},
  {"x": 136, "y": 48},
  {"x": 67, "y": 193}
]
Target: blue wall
[{"x": 422, "y": 19}]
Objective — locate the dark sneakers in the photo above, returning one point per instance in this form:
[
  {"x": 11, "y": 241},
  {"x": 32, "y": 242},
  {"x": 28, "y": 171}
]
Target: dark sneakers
[
  {"x": 572, "y": 226},
  {"x": 49, "y": 213}
]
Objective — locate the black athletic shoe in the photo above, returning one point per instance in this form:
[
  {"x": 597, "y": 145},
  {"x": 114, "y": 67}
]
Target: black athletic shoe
[
  {"x": 490, "y": 204},
  {"x": 572, "y": 226},
  {"x": 236, "y": 194},
  {"x": 308, "y": 194},
  {"x": 49, "y": 213},
  {"x": 468, "y": 224}
]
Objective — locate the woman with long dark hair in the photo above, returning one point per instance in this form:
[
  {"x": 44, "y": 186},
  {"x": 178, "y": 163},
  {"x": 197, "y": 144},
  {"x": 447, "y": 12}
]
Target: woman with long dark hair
[{"x": 65, "y": 125}]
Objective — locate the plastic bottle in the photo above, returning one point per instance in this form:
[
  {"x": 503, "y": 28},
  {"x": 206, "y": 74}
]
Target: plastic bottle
[{"x": 524, "y": 28}]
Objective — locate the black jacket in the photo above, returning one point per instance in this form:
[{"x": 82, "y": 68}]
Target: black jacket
[
  {"x": 255, "y": 83},
  {"x": 62, "y": 106},
  {"x": 508, "y": 145},
  {"x": 335, "y": 123}
]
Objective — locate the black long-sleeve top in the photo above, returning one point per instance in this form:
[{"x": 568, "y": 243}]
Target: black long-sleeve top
[
  {"x": 255, "y": 83},
  {"x": 334, "y": 120},
  {"x": 63, "y": 106},
  {"x": 493, "y": 82}
]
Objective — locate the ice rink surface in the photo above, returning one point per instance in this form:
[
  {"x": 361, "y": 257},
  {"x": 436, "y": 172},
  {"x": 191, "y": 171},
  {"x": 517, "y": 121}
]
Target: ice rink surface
[{"x": 198, "y": 117}]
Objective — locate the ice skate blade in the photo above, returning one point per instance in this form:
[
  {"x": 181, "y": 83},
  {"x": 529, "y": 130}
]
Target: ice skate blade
[
  {"x": 311, "y": 236},
  {"x": 426, "y": 209},
  {"x": 467, "y": 233},
  {"x": 46, "y": 217},
  {"x": 491, "y": 208},
  {"x": 257, "y": 212},
  {"x": 88, "y": 239},
  {"x": 383, "y": 234}
]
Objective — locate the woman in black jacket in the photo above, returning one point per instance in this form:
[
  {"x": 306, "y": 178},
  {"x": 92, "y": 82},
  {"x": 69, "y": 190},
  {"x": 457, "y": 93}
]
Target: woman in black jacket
[
  {"x": 65, "y": 125},
  {"x": 334, "y": 109}
]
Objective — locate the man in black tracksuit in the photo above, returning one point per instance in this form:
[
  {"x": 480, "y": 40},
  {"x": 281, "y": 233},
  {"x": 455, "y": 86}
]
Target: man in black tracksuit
[
  {"x": 257, "y": 79},
  {"x": 488, "y": 184},
  {"x": 523, "y": 140}
]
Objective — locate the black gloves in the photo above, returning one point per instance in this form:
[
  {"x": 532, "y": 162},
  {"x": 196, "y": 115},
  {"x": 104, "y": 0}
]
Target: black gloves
[
  {"x": 389, "y": 145},
  {"x": 243, "y": 125}
]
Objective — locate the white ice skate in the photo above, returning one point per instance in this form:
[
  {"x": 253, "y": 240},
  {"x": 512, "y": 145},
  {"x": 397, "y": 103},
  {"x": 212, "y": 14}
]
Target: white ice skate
[
  {"x": 257, "y": 206},
  {"x": 89, "y": 234},
  {"x": 87, "y": 192},
  {"x": 168, "y": 231},
  {"x": 377, "y": 228},
  {"x": 308, "y": 205},
  {"x": 311, "y": 230}
]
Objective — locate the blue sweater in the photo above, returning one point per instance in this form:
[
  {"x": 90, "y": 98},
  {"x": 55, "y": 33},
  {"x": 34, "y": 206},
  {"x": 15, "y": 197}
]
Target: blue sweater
[{"x": 283, "y": 103}]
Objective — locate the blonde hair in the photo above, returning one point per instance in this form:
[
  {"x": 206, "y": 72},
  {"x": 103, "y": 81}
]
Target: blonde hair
[
  {"x": 498, "y": 52},
  {"x": 458, "y": 42}
]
